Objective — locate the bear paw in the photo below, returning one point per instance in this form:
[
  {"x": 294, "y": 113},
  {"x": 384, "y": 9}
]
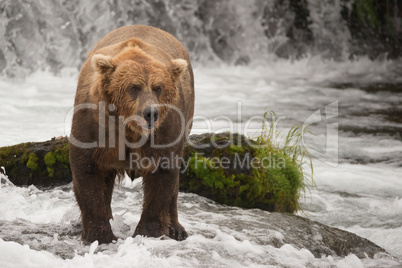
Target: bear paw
[
  {"x": 150, "y": 229},
  {"x": 103, "y": 235},
  {"x": 177, "y": 232}
]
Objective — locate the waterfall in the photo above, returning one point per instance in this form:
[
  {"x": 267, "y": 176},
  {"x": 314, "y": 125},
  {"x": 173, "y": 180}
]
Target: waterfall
[{"x": 44, "y": 34}]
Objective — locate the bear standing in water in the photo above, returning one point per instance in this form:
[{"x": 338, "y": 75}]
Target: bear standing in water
[{"x": 133, "y": 107}]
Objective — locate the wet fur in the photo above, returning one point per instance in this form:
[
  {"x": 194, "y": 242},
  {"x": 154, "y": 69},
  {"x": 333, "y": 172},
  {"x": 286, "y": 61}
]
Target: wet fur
[{"x": 130, "y": 55}]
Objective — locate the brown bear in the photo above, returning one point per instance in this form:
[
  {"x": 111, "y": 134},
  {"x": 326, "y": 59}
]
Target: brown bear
[{"x": 134, "y": 101}]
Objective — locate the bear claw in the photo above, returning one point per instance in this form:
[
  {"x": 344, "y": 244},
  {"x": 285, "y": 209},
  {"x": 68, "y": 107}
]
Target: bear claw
[
  {"x": 103, "y": 237},
  {"x": 149, "y": 229},
  {"x": 177, "y": 232}
]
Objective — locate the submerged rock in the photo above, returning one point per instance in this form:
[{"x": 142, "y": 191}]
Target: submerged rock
[
  {"x": 280, "y": 229},
  {"x": 320, "y": 239}
]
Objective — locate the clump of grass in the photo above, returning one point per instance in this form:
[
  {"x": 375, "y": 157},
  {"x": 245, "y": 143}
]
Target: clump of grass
[
  {"x": 287, "y": 189},
  {"x": 267, "y": 172}
]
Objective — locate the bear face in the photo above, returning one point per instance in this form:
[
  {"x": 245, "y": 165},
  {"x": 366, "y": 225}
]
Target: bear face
[{"x": 143, "y": 87}]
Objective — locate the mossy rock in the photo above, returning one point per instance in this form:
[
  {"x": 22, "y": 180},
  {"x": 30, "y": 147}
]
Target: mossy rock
[
  {"x": 43, "y": 164},
  {"x": 230, "y": 169},
  {"x": 373, "y": 27}
]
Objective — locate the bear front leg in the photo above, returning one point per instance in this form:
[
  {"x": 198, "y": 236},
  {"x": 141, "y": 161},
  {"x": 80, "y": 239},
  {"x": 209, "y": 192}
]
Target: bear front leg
[
  {"x": 176, "y": 230},
  {"x": 160, "y": 191},
  {"x": 94, "y": 194}
]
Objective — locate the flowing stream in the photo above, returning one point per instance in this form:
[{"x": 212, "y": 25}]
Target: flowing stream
[{"x": 358, "y": 186}]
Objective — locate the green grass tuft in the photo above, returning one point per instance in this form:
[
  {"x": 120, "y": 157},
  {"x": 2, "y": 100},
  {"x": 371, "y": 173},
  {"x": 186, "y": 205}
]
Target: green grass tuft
[
  {"x": 266, "y": 172},
  {"x": 291, "y": 180}
]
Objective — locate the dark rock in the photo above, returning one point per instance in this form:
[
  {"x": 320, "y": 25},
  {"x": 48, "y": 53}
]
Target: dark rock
[
  {"x": 43, "y": 164},
  {"x": 320, "y": 239},
  {"x": 375, "y": 27}
]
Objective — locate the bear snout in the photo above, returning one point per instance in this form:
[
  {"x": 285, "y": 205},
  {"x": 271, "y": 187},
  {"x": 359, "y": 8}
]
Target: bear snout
[{"x": 150, "y": 114}]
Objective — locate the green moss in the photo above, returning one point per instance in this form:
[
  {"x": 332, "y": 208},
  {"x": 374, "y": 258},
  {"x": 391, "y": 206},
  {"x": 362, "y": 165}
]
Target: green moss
[
  {"x": 13, "y": 152},
  {"x": 235, "y": 149},
  {"x": 57, "y": 160},
  {"x": 276, "y": 186},
  {"x": 6, "y": 155},
  {"x": 366, "y": 12},
  {"x": 50, "y": 159},
  {"x": 5, "y": 151},
  {"x": 283, "y": 180},
  {"x": 32, "y": 163},
  {"x": 62, "y": 154},
  {"x": 50, "y": 171},
  {"x": 210, "y": 176}
]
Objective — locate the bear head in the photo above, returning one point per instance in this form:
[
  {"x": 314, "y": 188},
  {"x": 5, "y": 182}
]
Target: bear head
[{"x": 141, "y": 88}]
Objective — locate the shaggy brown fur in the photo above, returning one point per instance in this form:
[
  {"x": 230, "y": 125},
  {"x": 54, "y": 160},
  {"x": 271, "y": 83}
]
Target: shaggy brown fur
[{"x": 130, "y": 69}]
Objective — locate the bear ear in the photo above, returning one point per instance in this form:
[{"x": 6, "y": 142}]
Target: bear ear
[
  {"x": 102, "y": 64},
  {"x": 177, "y": 67}
]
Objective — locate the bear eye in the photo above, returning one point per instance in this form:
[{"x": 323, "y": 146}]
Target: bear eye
[
  {"x": 157, "y": 90},
  {"x": 134, "y": 90}
]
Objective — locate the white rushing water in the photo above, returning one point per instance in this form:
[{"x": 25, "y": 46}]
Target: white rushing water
[
  {"x": 59, "y": 33},
  {"x": 359, "y": 191}
]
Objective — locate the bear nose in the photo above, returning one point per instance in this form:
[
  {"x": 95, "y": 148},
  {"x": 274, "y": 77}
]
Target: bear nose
[{"x": 150, "y": 115}]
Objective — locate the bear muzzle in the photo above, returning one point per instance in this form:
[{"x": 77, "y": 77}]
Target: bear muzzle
[{"x": 150, "y": 114}]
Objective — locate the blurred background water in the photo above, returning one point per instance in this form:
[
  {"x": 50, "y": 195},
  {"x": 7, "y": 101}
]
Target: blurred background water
[{"x": 54, "y": 34}]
